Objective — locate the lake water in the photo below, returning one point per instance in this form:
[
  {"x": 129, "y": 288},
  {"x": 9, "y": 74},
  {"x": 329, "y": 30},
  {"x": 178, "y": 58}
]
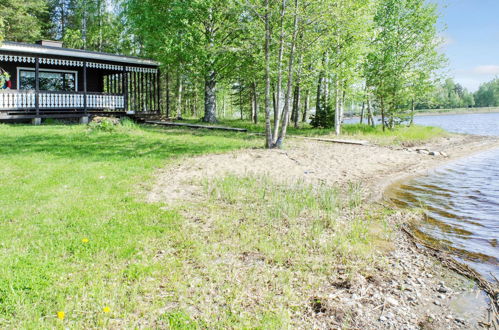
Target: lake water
[{"x": 461, "y": 199}]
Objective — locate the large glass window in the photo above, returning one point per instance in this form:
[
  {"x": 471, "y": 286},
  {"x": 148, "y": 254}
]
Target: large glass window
[{"x": 57, "y": 81}]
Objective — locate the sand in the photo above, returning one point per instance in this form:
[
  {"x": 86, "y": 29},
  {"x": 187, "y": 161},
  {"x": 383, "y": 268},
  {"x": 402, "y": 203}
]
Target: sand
[{"x": 375, "y": 167}]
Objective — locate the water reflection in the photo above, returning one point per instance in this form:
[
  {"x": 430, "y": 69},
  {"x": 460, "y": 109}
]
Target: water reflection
[{"x": 461, "y": 200}]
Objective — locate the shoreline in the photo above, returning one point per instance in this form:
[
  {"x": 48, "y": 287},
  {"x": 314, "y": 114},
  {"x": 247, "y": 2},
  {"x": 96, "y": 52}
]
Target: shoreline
[
  {"x": 440, "y": 112},
  {"x": 416, "y": 289},
  {"x": 397, "y": 178}
]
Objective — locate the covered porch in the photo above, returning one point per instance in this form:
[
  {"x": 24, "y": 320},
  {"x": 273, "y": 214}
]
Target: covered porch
[{"x": 48, "y": 81}]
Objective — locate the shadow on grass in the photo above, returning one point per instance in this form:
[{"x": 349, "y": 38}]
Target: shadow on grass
[
  {"x": 76, "y": 142},
  {"x": 304, "y": 129}
]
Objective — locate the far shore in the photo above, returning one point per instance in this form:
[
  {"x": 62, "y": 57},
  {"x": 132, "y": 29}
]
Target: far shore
[
  {"x": 441, "y": 112},
  {"x": 437, "y": 112}
]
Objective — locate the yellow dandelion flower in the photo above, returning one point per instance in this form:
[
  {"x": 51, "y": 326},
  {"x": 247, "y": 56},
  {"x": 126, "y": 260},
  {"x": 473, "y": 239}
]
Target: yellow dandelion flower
[
  {"x": 107, "y": 309},
  {"x": 85, "y": 240},
  {"x": 60, "y": 315}
]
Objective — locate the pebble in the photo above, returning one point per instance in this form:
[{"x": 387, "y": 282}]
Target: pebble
[
  {"x": 389, "y": 315},
  {"x": 438, "y": 303},
  {"x": 442, "y": 289},
  {"x": 392, "y": 301}
]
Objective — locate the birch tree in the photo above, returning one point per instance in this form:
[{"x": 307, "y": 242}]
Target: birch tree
[
  {"x": 404, "y": 54},
  {"x": 207, "y": 30}
]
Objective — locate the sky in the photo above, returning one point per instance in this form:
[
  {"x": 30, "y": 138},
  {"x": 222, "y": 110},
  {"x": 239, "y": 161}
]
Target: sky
[{"x": 471, "y": 34}]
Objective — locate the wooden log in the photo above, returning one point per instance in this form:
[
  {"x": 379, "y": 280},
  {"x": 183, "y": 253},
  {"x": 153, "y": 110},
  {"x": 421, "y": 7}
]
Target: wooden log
[
  {"x": 356, "y": 142},
  {"x": 166, "y": 123}
]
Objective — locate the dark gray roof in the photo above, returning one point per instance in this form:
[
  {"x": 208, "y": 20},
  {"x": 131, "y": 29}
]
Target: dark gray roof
[{"x": 77, "y": 53}]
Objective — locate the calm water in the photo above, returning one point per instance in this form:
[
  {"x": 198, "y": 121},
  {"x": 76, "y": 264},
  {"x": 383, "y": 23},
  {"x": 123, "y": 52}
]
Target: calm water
[{"x": 461, "y": 198}]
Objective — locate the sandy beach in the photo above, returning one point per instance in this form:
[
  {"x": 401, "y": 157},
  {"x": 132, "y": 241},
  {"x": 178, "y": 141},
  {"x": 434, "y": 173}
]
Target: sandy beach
[{"x": 412, "y": 291}]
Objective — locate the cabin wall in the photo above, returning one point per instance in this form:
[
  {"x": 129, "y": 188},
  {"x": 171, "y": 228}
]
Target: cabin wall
[{"x": 95, "y": 77}]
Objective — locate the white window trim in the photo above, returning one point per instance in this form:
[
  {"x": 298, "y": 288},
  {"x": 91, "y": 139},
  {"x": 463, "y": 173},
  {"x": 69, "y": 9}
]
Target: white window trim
[{"x": 19, "y": 68}]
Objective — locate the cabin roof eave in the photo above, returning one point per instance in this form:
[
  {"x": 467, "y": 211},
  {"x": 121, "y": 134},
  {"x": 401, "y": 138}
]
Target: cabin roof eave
[{"x": 75, "y": 53}]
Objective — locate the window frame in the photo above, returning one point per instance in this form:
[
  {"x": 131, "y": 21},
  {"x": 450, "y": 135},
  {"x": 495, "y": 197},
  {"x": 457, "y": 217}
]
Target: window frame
[{"x": 20, "y": 68}]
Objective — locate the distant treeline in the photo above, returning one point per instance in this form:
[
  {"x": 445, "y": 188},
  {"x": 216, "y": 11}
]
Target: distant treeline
[{"x": 452, "y": 95}]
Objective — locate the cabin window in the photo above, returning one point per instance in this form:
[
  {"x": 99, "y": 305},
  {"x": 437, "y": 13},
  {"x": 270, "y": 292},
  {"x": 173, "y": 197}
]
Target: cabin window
[{"x": 50, "y": 80}]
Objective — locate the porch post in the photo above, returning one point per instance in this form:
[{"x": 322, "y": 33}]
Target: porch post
[
  {"x": 125, "y": 88},
  {"x": 85, "y": 87},
  {"x": 158, "y": 90},
  {"x": 37, "y": 85}
]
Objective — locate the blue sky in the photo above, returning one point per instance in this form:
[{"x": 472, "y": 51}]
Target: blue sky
[{"x": 471, "y": 33}]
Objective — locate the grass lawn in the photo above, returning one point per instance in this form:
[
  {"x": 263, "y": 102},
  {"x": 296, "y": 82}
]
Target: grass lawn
[
  {"x": 75, "y": 235},
  {"x": 79, "y": 247}
]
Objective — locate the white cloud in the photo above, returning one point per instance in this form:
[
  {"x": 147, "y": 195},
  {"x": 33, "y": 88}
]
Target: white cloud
[
  {"x": 472, "y": 78},
  {"x": 486, "y": 70}
]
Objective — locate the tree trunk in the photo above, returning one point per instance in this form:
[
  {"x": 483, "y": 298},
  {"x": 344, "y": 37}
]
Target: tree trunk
[
  {"x": 412, "y": 113},
  {"x": 274, "y": 101},
  {"x": 241, "y": 100},
  {"x": 318, "y": 104},
  {"x": 370, "y": 117},
  {"x": 268, "y": 128},
  {"x": 306, "y": 107},
  {"x": 179, "y": 97},
  {"x": 277, "y": 112},
  {"x": 296, "y": 105},
  {"x": 285, "y": 120},
  {"x": 223, "y": 105},
  {"x": 255, "y": 104},
  {"x": 337, "y": 101},
  {"x": 342, "y": 107},
  {"x": 195, "y": 104},
  {"x": 362, "y": 112},
  {"x": 210, "y": 98},
  {"x": 167, "y": 91},
  {"x": 382, "y": 115}
]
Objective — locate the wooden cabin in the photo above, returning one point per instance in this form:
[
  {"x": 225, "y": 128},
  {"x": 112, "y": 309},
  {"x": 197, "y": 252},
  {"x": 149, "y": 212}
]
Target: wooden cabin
[{"x": 49, "y": 81}]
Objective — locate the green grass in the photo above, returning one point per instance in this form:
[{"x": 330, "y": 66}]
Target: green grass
[
  {"x": 63, "y": 184},
  {"x": 401, "y": 135},
  {"x": 76, "y": 235},
  {"x": 262, "y": 251}
]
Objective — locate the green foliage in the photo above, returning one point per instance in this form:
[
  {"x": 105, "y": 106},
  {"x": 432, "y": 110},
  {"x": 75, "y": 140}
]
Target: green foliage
[
  {"x": 23, "y": 20},
  {"x": 448, "y": 95},
  {"x": 404, "y": 57},
  {"x": 324, "y": 118},
  {"x": 104, "y": 125},
  {"x": 488, "y": 94},
  {"x": 4, "y": 76}
]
